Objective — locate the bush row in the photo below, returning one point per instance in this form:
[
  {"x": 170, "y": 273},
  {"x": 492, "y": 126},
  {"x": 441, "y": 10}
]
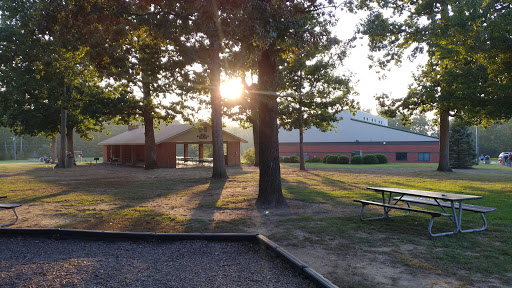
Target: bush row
[
  {"x": 366, "y": 159},
  {"x": 340, "y": 159}
]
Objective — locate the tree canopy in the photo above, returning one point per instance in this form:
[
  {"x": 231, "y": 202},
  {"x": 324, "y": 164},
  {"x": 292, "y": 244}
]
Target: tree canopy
[
  {"x": 312, "y": 91},
  {"x": 461, "y": 77},
  {"x": 43, "y": 72}
]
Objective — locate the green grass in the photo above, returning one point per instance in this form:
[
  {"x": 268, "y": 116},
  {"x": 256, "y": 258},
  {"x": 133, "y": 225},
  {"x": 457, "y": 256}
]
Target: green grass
[
  {"x": 486, "y": 253},
  {"x": 493, "y": 167},
  {"x": 104, "y": 200}
]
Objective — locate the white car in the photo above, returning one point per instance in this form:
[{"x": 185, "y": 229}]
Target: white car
[{"x": 503, "y": 154}]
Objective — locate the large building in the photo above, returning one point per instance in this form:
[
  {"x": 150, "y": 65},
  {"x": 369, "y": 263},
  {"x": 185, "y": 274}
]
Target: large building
[
  {"x": 362, "y": 134},
  {"x": 128, "y": 147}
]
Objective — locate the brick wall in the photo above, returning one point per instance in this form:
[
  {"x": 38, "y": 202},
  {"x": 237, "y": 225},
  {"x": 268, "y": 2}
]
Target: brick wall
[{"x": 389, "y": 149}]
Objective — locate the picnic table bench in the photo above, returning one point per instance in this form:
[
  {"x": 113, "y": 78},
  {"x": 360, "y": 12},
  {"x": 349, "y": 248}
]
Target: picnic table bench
[
  {"x": 436, "y": 199},
  {"x": 11, "y": 206},
  {"x": 193, "y": 159}
]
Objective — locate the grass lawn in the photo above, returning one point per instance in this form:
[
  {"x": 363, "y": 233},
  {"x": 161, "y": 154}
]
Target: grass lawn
[{"x": 321, "y": 227}]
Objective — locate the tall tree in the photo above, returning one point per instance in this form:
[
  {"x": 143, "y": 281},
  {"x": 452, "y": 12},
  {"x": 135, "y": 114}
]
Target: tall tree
[
  {"x": 313, "y": 95},
  {"x": 45, "y": 74},
  {"x": 269, "y": 30},
  {"x": 462, "y": 148},
  {"x": 456, "y": 81},
  {"x": 140, "y": 43},
  {"x": 208, "y": 21}
]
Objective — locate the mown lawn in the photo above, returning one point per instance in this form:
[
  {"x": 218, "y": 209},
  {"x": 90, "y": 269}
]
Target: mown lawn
[{"x": 104, "y": 197}]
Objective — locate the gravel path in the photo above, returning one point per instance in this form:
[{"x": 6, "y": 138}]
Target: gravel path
[{"x": 39, "y": 262}]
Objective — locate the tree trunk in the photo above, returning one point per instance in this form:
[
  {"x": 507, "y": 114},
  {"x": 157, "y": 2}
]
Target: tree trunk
[
  {"x": 70, "y": 147},
  {"x": 69, "y": 140},
  {"x": 54, "y": 148},
  {"x": 149, "y": 130},
  {"x": 444, "y": 142},
  {"x": 219, "y": 165},
  {"x": 270, "y": 193},
  {"x": 63, "y": 119}
]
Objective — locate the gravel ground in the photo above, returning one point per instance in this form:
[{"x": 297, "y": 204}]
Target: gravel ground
[{"x": 39, "y": 262}]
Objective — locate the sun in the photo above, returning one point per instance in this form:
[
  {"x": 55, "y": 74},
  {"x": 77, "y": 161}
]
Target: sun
[{"x": 231, "y": 89}]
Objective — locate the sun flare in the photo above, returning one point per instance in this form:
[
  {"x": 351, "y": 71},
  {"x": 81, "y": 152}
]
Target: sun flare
[{"x": 231, "y": 89}]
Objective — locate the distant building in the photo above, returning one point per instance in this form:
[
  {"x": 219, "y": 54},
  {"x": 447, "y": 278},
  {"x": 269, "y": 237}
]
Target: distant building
[
  {"x": 362, "y": 134},
  {"x": 129, "y": 147}
]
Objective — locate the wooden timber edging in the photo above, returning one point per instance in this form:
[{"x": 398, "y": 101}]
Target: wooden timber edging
[{"x": 272, "y": 248}]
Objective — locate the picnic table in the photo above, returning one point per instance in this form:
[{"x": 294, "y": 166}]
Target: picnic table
[
  {"x": 196, "y": 160},
  {"x": 449, "y": 203},
  {"x": 12, "y": 206}
]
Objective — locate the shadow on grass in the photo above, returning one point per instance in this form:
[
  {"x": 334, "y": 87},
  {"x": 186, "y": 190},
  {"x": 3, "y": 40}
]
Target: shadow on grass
[
  {"x": 205, "y": 211},
  {"x": 316, "y": 187}
]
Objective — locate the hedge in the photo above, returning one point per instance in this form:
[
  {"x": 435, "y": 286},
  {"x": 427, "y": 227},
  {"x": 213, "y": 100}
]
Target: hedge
[
  {"x": 332, "y": 159},
  {"x": 383, "y": 159},
  {"x": 356, "y": 159},
  {"x": 370, "y": 159},
  {"x": 342, "y": 159}
]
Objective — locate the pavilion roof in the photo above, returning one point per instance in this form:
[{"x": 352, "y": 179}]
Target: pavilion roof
[{"x": 170, "y": 133}]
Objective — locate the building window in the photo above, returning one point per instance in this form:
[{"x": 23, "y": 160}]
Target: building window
[
  {"x": 401, "y": 156},
  {"x": 422, "y": 156}
]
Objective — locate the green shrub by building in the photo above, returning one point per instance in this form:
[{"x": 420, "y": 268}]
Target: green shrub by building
[
  {"x": 382, "y": 158},
  {"x": 342, "y": 159},
  {"x": 356, "y": 159},
  {"x": 332, "y": 159},
  {"x": 370, "y": 159},
  {"x": 294, "y": 159},
  {"x": 324, "y": 159}
]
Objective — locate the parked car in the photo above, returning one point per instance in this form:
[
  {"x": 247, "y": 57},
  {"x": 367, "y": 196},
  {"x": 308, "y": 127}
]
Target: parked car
[{"x": 502, "y": 154}]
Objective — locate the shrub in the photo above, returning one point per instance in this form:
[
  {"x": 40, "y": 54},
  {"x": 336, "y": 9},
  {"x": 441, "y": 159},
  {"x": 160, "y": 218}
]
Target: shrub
[
  {"x": 294, "y": 159},
  {"x": 342, "y": 159},
  {"x": 315, "y": 160},
  {"x": 382, "y": 158},
  {"x": 286, "y": 160},
  {"x": 324, "y": 159},
  {"x": 356, "y": 159},
  {"x": 249, "y": 158},
  {"x": 332, "y": 159},
  {"x": 370, "y": 159}
]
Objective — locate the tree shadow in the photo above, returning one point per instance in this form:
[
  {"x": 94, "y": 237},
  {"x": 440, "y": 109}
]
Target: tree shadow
[{"x": 203, "y": 215}]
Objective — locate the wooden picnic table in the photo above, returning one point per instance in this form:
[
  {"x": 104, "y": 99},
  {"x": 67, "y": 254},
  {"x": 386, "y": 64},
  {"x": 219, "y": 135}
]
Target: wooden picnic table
[{"x": 449, "y": 203}]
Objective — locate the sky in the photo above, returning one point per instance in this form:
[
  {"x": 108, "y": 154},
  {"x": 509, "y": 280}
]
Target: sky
[{"x": 366, "y": 81}]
